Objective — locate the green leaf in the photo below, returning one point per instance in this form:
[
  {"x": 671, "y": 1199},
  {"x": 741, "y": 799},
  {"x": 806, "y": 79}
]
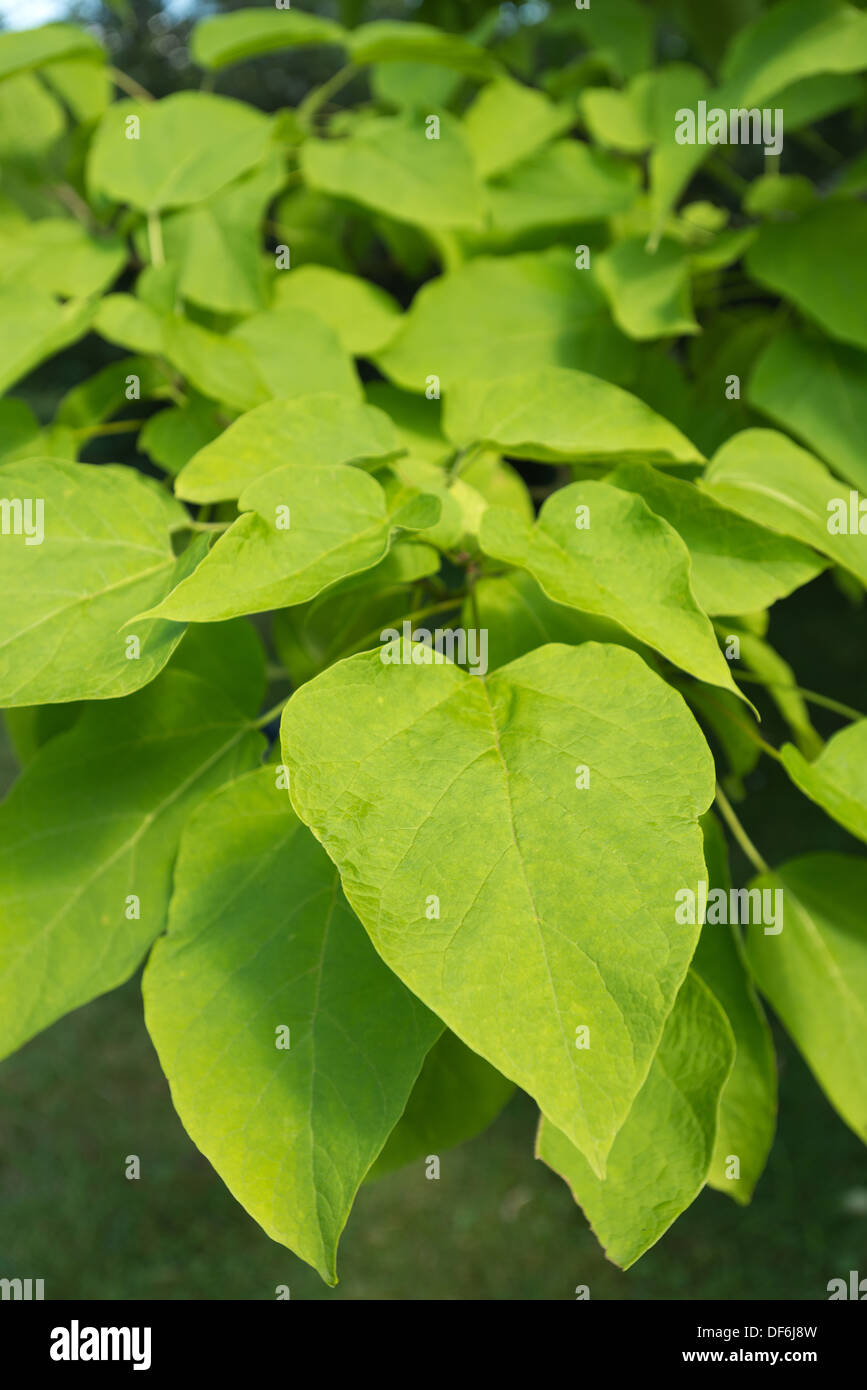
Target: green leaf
[
  {"x": 649, "y": 294},
  {"x": 296, "y": 353},
  {"x": 818, "y": 264},
  {"x": 31, "y": 120},
  {"x": 84, "y": 84},
  {"x": 349, "y": 616},
  {"x": 214, "y": 246},
  {"x": 130, "y": 323},
  {"x": 388, "y": 163},
  {"x": 312, "y": 430},
  {"x": 339, "y": 523},
  {"x": 553, "y": 414},
  {"x": 363, "y": 316},
  {"x": 57, "y": 255},
  {"x": 552, "y": 909},
  {"x": 818, "y": 390},
  {"x": 766, "y": 477},
  {"x": 401, "y": 41},
  {"x": 222, "y": 367},
  {"x": 814, "y": 973},
  {"x": 419, "y": 87},
  {"x": 189, "y": 146},
  {"x": 457, "y": 1095},
  {"x": 535, "y": 306},
  {"x": 102, "y": 395},
  {"x": 748, "y": 1104},
  {"x": 172, "y": 437},
  {"x": 222, "y": 39},
  {"x": 760, "y": 658},
  {"x": 508, "y": 121},
  {"x": 32, "y": 48},
  {"x": 105, "y": 555},
  {"x": 791, "y": 41},
  {"x": 837, "y": 779},
  {"x": 660, "y": 1158},
  {"x": 627, "y": 564},
  {"x": 519, "y": 617},
  {"x": 292, "y": 1130},
  {"x": 558, "y": 185},
  {"x": 18, "y": 427},
  {"x": 78, "y": 841},
  {"x": 614, "y": 120},
  {"x": 416, "y": 420},
  {"x": 36, "y": 326},
  {"x": 737, "y": 565}
]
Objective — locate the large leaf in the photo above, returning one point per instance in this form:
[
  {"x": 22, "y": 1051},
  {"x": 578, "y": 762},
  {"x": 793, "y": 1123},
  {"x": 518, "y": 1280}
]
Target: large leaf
[
  {"x": 818, "y": 391},
  {"x": 553, "y": 414},
  {"x": 457, "y": 1095},
  {"x": 837, "y": 779},
  {"x": 292, "y": 1129},
  {"x": 296, "y": 352},
  {"x": 33, "y": 48},
  {"x": 189, "y": 146},
  {"x": 308, "y": 430},
  {"x": 766, "y": 477},
  {"x": 363, "y": 316},
  {"x": 791, "y": 41},
  {"x": 818, "y": 264},
  {"x": 36, "y": 326},
  {"x": 649, "y": 293},
  {"x": 517, "y": 907},
  {"x": 215, "y": 245},
  {"x": 389, "y": 164},
  {"x": 737, "y": 565},
  {"x": 93, "y": 822},
  {"x": 627, "y": 564},
  {"x": 748, "y": 1104},
  {"x": 31, "y": 120},
  {"x": 222, "y": 39},
  {"x": 221, "y": 366},
  {"x": 536, "y": 308},
  {"x": 508, "y": 121},
  {"x": 519, "y": 617},
  {"x": 557, "y": 186},
  {"x": 57, "y": 255},
  {"x": 106, "y": 555},
  {"x": 301, "y": 530},
  {"x": 814, "y": 972},
  {"x": 660, "y": 1158},
  {"x": 401, "y": 41}
]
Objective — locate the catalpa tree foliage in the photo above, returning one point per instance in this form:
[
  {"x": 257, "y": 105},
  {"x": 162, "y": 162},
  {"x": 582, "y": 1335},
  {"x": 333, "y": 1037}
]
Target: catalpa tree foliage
[{"x": 480, "y": 419}]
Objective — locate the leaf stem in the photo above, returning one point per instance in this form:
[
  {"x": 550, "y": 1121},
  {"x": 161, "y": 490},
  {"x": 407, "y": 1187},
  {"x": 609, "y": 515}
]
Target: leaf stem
[
  {"x": 811, "y": 696},
  {"x": 739, "y": 833},
  {"x": 307, "y": 109},
  {"x": 155, "y": 241},
  {"x": 269, "y": 714},
  {"x": 129, "y": 85}
]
